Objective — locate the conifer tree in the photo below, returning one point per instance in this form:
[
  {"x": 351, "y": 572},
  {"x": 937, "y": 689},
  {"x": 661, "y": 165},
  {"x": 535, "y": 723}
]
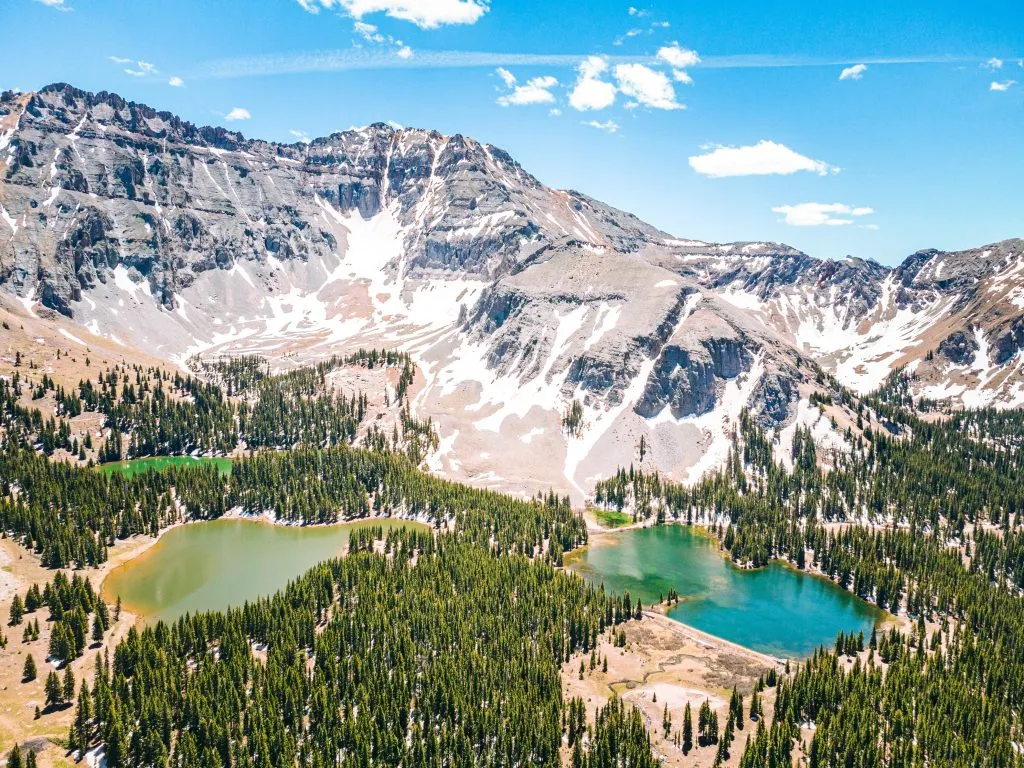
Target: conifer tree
[
  {"x": 17, "y": 611},
  {"x": 28, "y": 672}
]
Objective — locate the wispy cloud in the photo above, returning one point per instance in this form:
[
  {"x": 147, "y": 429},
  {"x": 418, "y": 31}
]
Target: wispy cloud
[
  {"x": 144, "y": 68},
  {"x": 856, "y": 72},
  {"x": 427, "y": 14},
  {"x": 353, "y": 59},
  {"x": 608, "y": 126},
  {"x": 993, "y": 64},
  {"x": 372, "y": 34},
  {"x": 766, "y": 158},
  {"x": 821, "y": 214},
  {"x": 536, "y": 90},
  {"x": 56, "y": 4},
  {"x": 176, "y": 82},
  {"x": 1002, "y": 86}
]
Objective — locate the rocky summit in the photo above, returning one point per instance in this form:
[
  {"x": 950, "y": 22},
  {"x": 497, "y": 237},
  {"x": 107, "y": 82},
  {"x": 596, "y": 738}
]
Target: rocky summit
[{"x": 518, "y": 302}]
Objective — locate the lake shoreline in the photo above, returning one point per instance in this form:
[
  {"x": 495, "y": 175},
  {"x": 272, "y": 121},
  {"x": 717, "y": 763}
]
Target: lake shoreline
[{"x": 659, "y": 613}]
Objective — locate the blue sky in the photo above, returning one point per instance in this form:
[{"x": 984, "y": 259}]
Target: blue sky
[{"x": 711, "y": 119}]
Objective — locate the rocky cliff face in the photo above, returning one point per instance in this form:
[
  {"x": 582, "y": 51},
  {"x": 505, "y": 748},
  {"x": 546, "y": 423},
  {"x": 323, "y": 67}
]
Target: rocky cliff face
[{"x": 514, "y": 298}]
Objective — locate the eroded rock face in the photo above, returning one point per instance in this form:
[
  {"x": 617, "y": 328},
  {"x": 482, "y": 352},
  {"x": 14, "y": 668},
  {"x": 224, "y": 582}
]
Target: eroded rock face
[
  {"x": 1009, "y": 342},
  {"x": 958, "y": 348},
  {"x": 684, "y": 380}
]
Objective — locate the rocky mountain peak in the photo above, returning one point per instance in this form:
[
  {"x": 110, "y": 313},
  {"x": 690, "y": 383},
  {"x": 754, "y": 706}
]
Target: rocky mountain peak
[{"x": 516, "y": 300}]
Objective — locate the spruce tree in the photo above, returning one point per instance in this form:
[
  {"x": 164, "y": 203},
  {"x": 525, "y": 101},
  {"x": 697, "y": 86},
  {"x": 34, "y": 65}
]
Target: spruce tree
[
  {"x": 28, "y": 672},
  {"x": 687, "y": 730},
  {"x": 17, "y": 611},
  {"x": 54, "y": 690}
]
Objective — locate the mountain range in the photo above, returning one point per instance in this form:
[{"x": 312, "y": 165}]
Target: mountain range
[{"x": 557, "y": 338}]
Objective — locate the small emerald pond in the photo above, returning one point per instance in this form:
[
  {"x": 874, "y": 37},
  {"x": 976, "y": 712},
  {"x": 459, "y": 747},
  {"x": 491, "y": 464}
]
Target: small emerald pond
[
  {"x": 221, "y": 563},
  {"x": 775, "y": 610},
  {"x": 160, "y": 463}
]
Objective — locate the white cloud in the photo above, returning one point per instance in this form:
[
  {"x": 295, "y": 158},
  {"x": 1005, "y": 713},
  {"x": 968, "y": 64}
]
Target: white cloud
[
  {"x": 821, "y": 214},
  {"x": 372, "y": 34},
  {"x": 627, "y": 35},
  {"x": 993, "y": 64},
  {"x": 763, "y": 159},
  {"x": 608, "y": 126},
  {"x": 176, "y": 82},
  {"x": 144, "y": 68},
  {"x": 536, "y": 90},
  {"x": 555, "y": 112},
  {"x": 856, "y": 72},
  {"x": 118, "y": 59},
  {"x": 507, "y": 77},
  {"x": 57, "y": 4},
  {"x": 238, "y": 113},
  {"x": 426, "y": 14},
  {"x": 368, "y": 32},
  {"x": 590, "y": 91},
  {"x": 300, "y": 135},
  {"x": 646, "y": 86},
  {"x": 1005, "y": 85},
  {"x": 678, "y": 57}
]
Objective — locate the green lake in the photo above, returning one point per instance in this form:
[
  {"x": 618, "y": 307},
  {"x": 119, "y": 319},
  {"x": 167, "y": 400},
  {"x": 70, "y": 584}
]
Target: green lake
[
  {"x": 159, "y": 463},
  {"x": 222, "y": 563},
  {"x": 775, "y": 610}
]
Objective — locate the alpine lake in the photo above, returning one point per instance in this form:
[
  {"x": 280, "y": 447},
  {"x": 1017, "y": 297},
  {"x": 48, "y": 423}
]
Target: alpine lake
[
  {"x": 224, "y": 563},
  {"x": 776, "y": 610}
]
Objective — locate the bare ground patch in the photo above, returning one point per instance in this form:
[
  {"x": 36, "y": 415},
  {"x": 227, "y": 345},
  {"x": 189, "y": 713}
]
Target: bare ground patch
[{"x": 665, "y": 662}]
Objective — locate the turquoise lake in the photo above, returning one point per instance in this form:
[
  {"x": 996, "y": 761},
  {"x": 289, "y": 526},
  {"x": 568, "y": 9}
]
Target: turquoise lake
[{"x": 775, "y": 610}]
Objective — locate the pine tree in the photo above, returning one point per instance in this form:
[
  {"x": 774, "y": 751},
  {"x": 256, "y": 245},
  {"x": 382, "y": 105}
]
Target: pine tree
[
  {"x": 83, "y": 714},
  {"x": 53, "y": 689},
  {"x": 68, "y": 692},
  {"x": 687, "y": 730},
  {"x": 97, "y": 628},
  {"x": 28, "y": 672},
  {"x": 17, "y": 611}
]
